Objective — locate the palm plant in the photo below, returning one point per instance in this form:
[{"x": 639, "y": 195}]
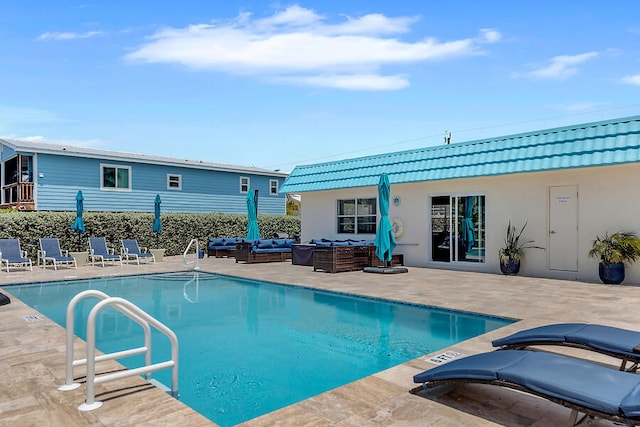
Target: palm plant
[
  {"x": 514, "y": 245},
  {"x": 620, "y": 247}
]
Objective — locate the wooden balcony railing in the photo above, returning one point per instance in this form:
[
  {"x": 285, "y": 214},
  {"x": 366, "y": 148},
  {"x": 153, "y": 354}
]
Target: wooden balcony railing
[{"x": 19, "y": 196}]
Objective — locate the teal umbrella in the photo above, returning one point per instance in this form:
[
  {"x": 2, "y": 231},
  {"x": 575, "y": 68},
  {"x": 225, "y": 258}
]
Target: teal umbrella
[
  {"x": 252, "y": 212},
  {"x": 78, "y": 223},
  {"x": 468, "y": 238},
  {"x": 385, "y": 241},
  {"x": 157, "y": 223}
]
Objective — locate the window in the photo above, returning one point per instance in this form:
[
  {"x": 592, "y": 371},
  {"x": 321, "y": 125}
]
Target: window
[
  {"x": 174, "y": 182},
  {"x": 116, "y": 178},
  {"x": 458, "y": 219},
  {"x": 244, "y": 184},
  {"x": 357, "y": 216},
  {"x": 273, "y": 187}
]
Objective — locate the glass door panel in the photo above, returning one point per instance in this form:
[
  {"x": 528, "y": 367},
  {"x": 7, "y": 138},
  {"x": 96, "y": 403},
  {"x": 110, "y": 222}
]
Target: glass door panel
[{"x": 459, "y": 220}]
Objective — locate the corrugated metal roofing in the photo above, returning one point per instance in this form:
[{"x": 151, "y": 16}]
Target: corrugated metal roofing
[
  {"x": 23, "y": 146},
  {"x": 602, "y": 143}
]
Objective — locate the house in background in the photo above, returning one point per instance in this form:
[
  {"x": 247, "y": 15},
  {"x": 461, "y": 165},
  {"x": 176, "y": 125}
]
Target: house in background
[
  {"x": 451, "y": 204},
  {"x": 47, "y": 177}
]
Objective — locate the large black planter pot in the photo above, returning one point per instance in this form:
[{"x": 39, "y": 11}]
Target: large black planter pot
[
  {"x": 611, "y": 274},
  {"x": 511, "y": 268}
]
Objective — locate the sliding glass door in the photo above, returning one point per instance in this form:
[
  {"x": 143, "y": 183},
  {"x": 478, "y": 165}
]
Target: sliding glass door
[{"x": 458, "y": 228}]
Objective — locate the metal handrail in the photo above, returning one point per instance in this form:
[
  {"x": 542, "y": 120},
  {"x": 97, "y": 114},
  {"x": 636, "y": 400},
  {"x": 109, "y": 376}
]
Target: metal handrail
[
  {"x": 70, "y": 329},
  {"x": 136, "y": 314},
  {"x": 120, "y": 303},
  {"x": 184, "y": 255}
]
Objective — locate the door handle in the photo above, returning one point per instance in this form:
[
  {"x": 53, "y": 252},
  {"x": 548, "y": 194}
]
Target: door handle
[{"x": 552, "y": 232}]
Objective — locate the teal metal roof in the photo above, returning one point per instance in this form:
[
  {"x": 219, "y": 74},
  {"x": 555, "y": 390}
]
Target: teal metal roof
[{"x": 609, "y": 142}]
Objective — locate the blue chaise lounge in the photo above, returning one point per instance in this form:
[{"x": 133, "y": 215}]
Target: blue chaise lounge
[
  {"x": 615, "y": 342},
  {"x": 12, "y": 255},
  {"x": 582, "y": 386}
]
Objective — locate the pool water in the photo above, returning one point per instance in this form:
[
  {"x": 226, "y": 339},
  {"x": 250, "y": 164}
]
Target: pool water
[{"x": 249, "y": 347}]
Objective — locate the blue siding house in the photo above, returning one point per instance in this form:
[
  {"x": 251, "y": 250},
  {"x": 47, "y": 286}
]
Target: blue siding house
[{"x": 46, "y": 177}]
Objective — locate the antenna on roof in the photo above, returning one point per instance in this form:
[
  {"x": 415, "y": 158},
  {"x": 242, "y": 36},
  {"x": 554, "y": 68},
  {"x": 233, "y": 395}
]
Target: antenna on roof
[{"x": 447, "y": 137}]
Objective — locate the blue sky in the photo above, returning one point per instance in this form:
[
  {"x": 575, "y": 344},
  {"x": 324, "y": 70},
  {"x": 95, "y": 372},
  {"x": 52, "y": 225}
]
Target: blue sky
[{"x": 274, "y": 85}]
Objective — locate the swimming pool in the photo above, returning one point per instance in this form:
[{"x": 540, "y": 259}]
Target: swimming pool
[{"x": 247, "y": 347}]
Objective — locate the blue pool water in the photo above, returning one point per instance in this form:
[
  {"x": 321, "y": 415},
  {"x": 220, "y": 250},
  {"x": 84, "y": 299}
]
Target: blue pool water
[{"x": 248, "y": 347}]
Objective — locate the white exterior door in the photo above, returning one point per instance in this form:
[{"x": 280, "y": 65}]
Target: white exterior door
[{"x": 563, "y": 228}]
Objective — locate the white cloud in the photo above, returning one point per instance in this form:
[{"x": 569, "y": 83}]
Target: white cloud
[
  {"x": 578, "y": 107},
  {"x": 631, "y": 80},
  {"x": 562, "y": 67},
  {"x": 490, "y": 36},
  {"x": 68, "y": 36},
  {"x": 352, "y": 82},
  {"x": 299, "y": 46}
]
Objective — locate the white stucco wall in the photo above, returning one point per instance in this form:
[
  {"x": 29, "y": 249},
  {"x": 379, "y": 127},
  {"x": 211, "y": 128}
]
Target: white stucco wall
[{"x": 608, "y": 200}]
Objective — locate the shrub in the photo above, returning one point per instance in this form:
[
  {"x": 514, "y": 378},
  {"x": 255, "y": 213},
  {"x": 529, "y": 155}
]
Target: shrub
[{"x": 177, "y": 228}]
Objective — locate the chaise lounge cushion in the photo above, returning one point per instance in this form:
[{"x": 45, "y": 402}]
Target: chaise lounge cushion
[
  {"x": 565, "y": 378},
  {"x": 602, "y": 338}
]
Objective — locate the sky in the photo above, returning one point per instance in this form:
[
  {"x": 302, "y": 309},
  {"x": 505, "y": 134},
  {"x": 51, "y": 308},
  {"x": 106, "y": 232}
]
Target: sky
[{"x": 275, "y": 85}]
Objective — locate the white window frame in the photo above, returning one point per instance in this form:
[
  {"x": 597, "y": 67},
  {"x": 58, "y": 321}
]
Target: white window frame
[
  {"x": 274, "y": 183},
  {"x": 116, "y": 167},
  {"x": 357, "y": 216},
  {"x": 248, "y": 184},
  {"x": 169, "y": 181}
]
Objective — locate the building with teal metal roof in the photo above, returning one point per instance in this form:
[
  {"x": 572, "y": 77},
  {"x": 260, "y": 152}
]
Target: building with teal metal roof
[
  {"x": 568, "y": 184},
  {"x": 592, "y": 144}
]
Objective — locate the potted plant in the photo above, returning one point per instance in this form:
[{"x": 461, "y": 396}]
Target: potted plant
[
  {"x": 513, "y": 251},
  {"x": 613, "y": 251}
]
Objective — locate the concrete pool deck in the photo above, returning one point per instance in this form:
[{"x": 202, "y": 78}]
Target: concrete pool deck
[{"x": 32, "y": 353}]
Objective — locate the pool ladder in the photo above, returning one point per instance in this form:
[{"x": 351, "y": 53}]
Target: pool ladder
[
  {"x": 134, "y": 313},
  {"x": 186, "y": 251}
]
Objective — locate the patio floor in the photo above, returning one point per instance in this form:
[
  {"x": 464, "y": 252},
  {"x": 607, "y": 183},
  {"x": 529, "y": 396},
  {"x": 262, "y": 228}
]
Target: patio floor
[{"x": 32, "y": 353}]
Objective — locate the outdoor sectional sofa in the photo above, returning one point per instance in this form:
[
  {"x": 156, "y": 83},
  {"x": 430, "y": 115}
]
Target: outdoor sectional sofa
[
  {"x": 264, "y": 250},
  {"x": 222, "y": 246},
  {"x": 335, "y": 256},
  {"x": 341, "y": 255}
]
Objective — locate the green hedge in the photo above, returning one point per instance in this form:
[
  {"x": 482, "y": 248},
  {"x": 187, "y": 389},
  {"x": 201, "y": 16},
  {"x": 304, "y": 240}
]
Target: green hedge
[{"x": 177, "y": 228}]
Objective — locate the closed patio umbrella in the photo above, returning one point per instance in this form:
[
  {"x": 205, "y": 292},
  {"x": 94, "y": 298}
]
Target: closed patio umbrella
[
  {"x": 385, "y": 241},
  {"x": 157, "y": 223},
  {"x": 78, "y": 223},
  {"x": 253, "y": 232}
]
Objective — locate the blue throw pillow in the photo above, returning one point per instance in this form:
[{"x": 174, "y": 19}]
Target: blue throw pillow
[
  {"x": 280, "y": 243},
  {"x": 265, "y": 244},
  {"x": 216, "y": 241}
]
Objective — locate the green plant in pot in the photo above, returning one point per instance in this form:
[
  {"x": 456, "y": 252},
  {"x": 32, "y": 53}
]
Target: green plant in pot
[
  {"x": 613, "y": 251},
  {"x": 513, "y": 251}
]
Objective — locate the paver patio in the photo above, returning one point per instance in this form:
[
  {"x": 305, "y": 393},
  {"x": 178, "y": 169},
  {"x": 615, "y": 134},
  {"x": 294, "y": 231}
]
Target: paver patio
[{"x": 32, "y": 353}]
